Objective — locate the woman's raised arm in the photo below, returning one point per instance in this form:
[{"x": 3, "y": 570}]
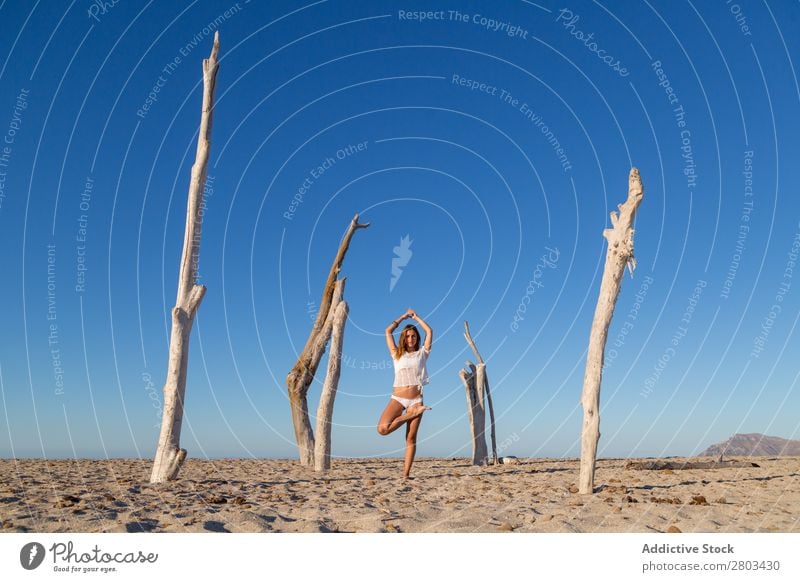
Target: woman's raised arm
[
  {"x": 389, "y": 334},
  {"x": 425, "y": 327}
]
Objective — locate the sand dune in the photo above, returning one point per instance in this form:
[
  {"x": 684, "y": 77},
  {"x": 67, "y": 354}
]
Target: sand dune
[{"x": 367, "y": 495}]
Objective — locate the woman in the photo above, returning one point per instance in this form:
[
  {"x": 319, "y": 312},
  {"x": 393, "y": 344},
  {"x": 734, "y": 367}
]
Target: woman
[{"x": 410, "y": 374}]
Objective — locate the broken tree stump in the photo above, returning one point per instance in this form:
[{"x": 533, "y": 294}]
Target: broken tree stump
[{"x": 482, "y": 378}]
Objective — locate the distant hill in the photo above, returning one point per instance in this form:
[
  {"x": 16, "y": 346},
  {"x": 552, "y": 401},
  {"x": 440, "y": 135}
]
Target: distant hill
[{"x": 753, "y": 445}]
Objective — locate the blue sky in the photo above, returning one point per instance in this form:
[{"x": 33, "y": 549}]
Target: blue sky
[{"x": 497, "y": 136}]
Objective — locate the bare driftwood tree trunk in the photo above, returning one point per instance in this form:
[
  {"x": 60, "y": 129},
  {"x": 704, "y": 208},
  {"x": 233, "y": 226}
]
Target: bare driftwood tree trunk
[
  {"x": 322, "y": 447},
  {"x": 305, "y": 436},
  {"x": 169, "y": 455},
  {"x": 471, "y": 343},
  {"x": 618, "y": 255},
  {"x": 491, "y": 419},
  {"x": 679, "y": 466},
  {"x": 473, "y": 383},
  {"x": 300, "y": 377}
]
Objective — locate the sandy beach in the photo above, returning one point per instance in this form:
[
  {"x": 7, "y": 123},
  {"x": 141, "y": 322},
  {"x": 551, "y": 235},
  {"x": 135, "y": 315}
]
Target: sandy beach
[{"x": 368, "y": 495}]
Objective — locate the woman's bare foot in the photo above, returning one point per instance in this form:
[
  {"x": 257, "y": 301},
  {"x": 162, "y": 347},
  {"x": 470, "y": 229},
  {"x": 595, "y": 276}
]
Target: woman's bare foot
[{"x": 414, "y": 411}]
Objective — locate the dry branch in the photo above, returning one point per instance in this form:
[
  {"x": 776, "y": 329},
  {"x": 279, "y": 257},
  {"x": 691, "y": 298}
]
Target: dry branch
[{"x": 675, "y": 466}]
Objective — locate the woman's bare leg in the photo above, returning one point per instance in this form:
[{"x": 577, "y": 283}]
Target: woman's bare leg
[
  {"x": 393, "y": 417},
  {"x": 411, "y": 444},
  {"x": 392, "y": 411}
]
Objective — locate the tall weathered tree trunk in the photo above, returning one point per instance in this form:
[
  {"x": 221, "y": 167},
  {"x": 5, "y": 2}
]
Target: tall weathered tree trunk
[
  {"x": 471, "y": 343},
  {"x": 322, "y": 447},
  {"x": 480, "y": 416},
  {"x": 475, "y": 407},
  {"x": 169, "y": 455},
  {"x": 491, "y": 419},
  {"x": 618, "y": 255},
  {"x": 300, "y": 377}
]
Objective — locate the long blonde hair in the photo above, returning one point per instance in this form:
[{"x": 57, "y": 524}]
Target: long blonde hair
[{"x": 401, "y": 345}]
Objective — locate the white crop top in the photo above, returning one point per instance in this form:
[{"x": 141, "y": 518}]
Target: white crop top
[{"x": 410, "y": 369}]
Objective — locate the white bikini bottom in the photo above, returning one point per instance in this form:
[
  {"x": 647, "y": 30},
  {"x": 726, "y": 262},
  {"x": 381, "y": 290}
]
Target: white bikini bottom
[{"x": 407, "y": 402}]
